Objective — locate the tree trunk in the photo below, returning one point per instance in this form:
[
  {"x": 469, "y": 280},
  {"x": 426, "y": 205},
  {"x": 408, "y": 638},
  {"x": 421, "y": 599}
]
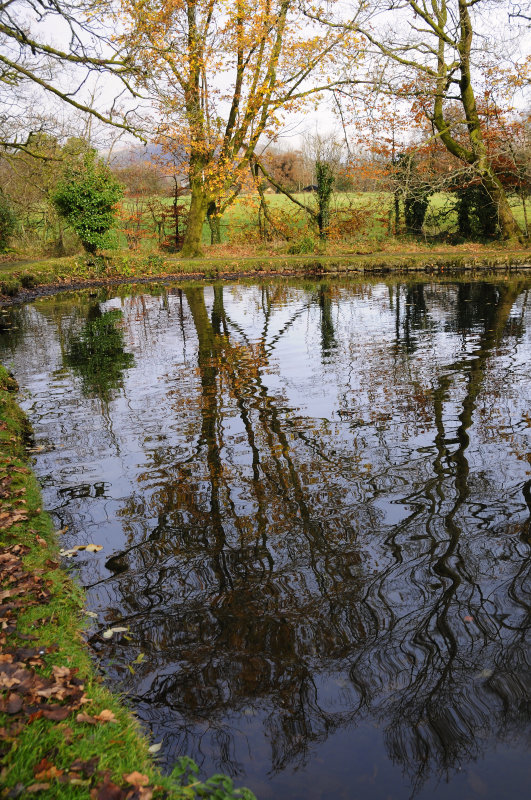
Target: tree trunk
[
  {"x": 476, "y": 155},
  {"x": 509, "y": 228},
  {"x": 214, "y": 223},
  {"x": 524, "y": 208},
  {"x": 194, "y": 228},
  {"x": 325, "y": 182},
  {"x": 396, "y": 198}
]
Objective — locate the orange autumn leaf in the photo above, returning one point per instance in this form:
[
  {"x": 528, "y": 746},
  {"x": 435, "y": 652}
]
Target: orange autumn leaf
[{"x": 136, "y": 779}]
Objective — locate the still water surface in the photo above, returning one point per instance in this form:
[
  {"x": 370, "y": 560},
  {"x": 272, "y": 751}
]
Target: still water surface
[{"x": 314, "y": 501}]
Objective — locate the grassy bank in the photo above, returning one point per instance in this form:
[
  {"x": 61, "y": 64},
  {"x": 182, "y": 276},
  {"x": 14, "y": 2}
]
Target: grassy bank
[
  {"x": 63, "y": 734},
  {"x": 19, "y": 279}
]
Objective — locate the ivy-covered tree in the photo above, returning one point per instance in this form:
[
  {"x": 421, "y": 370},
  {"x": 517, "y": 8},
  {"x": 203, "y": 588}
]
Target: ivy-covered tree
[
  {"x": 325, "y": 183},
  {"x": 476, "y": 212},
  {"x": 86, "y": 197},
  {"x": 7, "y": 221},
  {"x": 414, "y": 188},
  {"x": 97, "y": 354}
]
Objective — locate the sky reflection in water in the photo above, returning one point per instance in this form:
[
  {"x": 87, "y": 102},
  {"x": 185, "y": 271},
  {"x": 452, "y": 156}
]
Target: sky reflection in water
[{"x": 314, "y": 501}]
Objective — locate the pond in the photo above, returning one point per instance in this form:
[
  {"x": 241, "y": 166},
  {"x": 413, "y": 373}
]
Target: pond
[{"x": 314, "y": 502}]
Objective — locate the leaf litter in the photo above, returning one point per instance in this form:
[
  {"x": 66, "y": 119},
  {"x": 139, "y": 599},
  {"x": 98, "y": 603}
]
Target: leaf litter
[{"x": 27, "y": 695}]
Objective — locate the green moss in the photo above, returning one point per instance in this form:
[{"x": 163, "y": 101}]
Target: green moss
[
  {"x": 124, "y": 265},
  {"x": 10, "y": 286}
]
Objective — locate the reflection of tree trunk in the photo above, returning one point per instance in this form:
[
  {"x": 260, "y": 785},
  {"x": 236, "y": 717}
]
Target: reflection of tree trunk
[
  {"x": 218, "y": 311},
  {"x": 210, "y": 355},
  {"x": 526, "y": 491},
  {"x": 495, "y": 320},
  {"x": 287, "y": 479},
  {"x": 328, "y": 338},
  {"x": 418, "y": 721},
  {"x": 210, "y": 418},
  {"x": 414, "y": 316},
  {"x": 237, "y": 380}
]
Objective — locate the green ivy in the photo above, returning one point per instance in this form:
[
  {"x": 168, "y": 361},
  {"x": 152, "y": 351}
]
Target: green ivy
[
  {"x": 86, "y": 197},
  {"x": 7, "y": 221}
]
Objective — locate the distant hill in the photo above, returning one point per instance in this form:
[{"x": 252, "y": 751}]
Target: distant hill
[{"x": 138, "y": 154}]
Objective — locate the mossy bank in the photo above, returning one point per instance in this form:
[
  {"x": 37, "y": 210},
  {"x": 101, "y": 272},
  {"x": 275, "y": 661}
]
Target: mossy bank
[
  {"x": 63, "y": 734},
  {"x": 21, "y": 281}
]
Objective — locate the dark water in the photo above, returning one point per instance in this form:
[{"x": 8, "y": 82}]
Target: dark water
[{"x": 314, "y": 503}]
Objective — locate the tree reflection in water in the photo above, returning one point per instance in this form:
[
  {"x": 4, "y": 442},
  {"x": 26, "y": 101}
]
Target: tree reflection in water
[
  {"x": 300, "y": 573},
  {"x": 97, "y": 354}
]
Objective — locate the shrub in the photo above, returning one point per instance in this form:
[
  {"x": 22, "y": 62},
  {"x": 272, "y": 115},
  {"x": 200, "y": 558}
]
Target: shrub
[
  {"x": 305, "y": 244},
  {"x": 86, "y": 197},
  {"x": 10, "y": 287},
  {"x": 28, "y": 280}
]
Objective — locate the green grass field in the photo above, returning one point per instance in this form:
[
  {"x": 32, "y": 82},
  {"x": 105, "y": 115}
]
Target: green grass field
[
  {"x": 361, "y": 224},
  {"x": 358, "y": 216}
]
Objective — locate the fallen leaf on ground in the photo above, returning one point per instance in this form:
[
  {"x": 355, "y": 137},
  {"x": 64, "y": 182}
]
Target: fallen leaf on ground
[
  {"x": 61, "y": 673},
  {"x": 42, "y": 764},
  {"x": 74, "y": 780},
  {"x": 136, "y": 779},
  {"x": 86, "y": 768},
  {"x": 13, "y": 704},
  {"x": 109, "y": 632},
  {"x": 82, "y": 717},
  {"x": 57, "y": 714},
  {"x": 106, "y": 716},
  {"x": 155, "y": 748},
  {"x": 8, "y": 518},
  {"x": 103, "y": 716},
  {"x": 49, "y": 774},
  {"x": 108, "y": 791}
]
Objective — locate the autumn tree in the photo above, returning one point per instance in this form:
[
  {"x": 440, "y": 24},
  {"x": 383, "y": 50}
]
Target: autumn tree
[
  {"x": 438, "y": 55},
  {"x": 222, "y": 73}
]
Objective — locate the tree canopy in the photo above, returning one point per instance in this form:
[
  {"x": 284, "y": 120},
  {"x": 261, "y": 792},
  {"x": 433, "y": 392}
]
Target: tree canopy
[
  {"x": 447, "y": 58},
  {"x": 31, "y": 63},
  {"x": 222, "y": 75}
]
